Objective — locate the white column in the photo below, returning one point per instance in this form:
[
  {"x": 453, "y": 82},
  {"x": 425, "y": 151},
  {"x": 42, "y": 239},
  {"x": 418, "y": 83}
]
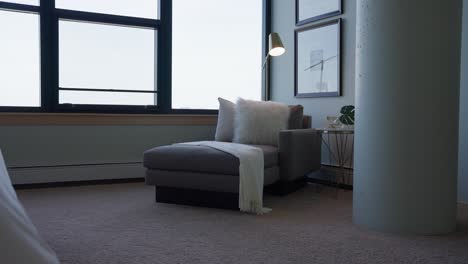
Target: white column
[{"x": 407, "y": 92}]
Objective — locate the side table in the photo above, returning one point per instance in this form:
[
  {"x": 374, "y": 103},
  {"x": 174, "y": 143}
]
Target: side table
[{"x": 342, "y": 151}]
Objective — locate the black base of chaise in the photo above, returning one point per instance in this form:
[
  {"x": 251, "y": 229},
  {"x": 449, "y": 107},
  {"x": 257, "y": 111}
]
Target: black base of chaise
[
  {"x": 221, "y": 200},
  {"x": 285, "y": 188},
  {"x": 192, "y": 197}
]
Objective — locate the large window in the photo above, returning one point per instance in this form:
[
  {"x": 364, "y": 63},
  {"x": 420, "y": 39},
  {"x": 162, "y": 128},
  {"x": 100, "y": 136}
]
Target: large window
[
  {"x": 131, "y": 56},
  {"x": 216, "y": 51}
]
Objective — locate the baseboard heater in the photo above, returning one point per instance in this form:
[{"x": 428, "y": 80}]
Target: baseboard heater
[{"x": 21, "y": 176}]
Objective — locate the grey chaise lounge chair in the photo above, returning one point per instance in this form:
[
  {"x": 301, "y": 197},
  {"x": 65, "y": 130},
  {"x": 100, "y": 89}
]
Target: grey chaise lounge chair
[{"x": 202, "y": 176}]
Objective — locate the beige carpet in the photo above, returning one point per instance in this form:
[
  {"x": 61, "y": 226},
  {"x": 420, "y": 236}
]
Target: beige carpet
[{"x": 122, "y": 224}]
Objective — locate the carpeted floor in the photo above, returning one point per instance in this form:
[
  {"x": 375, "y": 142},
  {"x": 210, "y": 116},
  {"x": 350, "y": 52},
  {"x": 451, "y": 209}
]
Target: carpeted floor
[{"x": 122, "y": 224}]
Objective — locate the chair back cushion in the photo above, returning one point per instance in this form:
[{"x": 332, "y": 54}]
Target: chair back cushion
[
  {"x": 306, "y": 122},
  {"x": 225, "y": 125},
  {"x": 296, "y": 115},
  {"x": 227, "y": 113},
  {"x": 259, "y": 123}
]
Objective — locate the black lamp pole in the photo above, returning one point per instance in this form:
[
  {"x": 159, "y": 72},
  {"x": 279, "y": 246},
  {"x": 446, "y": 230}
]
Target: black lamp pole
[{"x": 276, "y": 48}]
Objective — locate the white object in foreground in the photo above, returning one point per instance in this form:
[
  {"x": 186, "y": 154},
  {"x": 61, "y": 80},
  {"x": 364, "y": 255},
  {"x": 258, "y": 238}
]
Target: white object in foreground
[
  {"x": 251, "y": 173},
  {"x": 20, "y": 242}
]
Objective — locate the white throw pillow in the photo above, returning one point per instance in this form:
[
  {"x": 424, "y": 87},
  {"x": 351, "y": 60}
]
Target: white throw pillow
[
  {"x": 225, "y": 126},
  {"x": 259, "y": 122}
]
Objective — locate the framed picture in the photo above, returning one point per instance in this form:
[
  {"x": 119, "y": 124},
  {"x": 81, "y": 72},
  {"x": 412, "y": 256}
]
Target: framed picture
[
  {"x": 312, "y": 10},
  {"x": 318, "y": 60}
]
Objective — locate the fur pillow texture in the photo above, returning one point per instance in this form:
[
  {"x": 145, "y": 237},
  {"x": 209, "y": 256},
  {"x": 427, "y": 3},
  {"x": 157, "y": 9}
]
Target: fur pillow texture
[
  {"x": 225, "y": 125},
  {"x": 259, "y": 123}
]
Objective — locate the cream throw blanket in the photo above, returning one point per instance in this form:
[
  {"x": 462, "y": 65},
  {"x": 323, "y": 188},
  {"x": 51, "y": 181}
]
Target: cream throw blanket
[{"x": 251, "y": 173}]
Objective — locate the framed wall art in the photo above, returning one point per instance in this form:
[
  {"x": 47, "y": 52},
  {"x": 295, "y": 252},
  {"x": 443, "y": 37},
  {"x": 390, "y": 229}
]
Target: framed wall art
[
  {"x": 318, "y": 60},
  {"x": 312, "y": 10}
]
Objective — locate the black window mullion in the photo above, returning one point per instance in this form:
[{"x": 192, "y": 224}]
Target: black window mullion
[
  {"x": 164, "y": 57},
  {"x": 49, "y": 56}
]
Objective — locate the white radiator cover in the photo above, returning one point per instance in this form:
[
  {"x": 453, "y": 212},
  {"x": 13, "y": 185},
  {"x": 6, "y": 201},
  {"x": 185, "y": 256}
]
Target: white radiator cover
[{"x": 76, "y": 173}]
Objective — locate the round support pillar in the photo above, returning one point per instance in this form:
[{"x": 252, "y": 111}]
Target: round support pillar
[{"x": 407, "y": 100}]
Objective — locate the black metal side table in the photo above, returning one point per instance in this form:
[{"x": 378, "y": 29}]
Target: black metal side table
[{"x": 342, "y": 151}]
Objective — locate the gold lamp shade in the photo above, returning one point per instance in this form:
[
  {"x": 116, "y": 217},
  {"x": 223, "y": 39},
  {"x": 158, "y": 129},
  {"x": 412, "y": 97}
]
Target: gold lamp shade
[{"x": 276, "y": 47}]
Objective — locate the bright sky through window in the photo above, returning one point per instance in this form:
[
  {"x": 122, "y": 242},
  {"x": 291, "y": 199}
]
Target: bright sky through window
[
  {"x": 19, "y": 59},
  {"x": 133, "y": 8},
  {"x": 216, "y": 52},
  {"x": 106, "y": 57}
]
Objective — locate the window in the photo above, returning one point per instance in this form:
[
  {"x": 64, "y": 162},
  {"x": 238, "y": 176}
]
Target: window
[
  {"x": 107, "y": 54},
  {"x": 133, "y": 8},
  {"x": 19, "y": 59},
  {"x": 26, "y": 2},
  {"x": 216, "y": 52},
  {"x": 103, "y": 61},
  {"x": 129, "y": 56},
  {"x": 99, "y": 98}
]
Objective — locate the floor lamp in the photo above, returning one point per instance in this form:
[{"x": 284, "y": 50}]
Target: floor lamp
[{"x": 275, "y": 48}]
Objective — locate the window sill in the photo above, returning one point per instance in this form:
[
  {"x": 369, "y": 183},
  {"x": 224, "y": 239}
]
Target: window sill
[{"x": 15, "y": 119}]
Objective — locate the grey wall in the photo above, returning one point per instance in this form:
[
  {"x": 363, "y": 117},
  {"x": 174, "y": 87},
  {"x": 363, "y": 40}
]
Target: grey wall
[
  {"x": 25, "y": 146},
  {"x": 282, "y": 69},
  {"x": 282, "y": 74},
  {"x": 463, "y": 158}
]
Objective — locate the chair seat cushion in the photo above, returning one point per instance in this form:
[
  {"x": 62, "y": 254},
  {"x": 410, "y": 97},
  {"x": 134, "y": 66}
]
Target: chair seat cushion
[{"x": 192, "y": 158}]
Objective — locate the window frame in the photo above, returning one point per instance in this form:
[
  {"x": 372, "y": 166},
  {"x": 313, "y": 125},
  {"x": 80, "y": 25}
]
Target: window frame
[{"x": 49, "y": 57}]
